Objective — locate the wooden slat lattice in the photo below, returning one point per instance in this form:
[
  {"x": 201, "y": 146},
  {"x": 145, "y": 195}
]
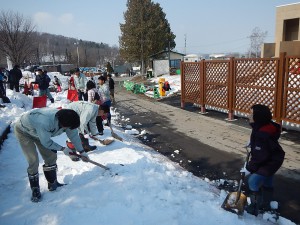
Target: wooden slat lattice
[
  {"x": 216, "y": 83},
  {"x": 292, "y": 91},
  {"x": 237, "y": 84},
  {"x": 255, "y": 83},
  {"x": 192, "y": 82}
]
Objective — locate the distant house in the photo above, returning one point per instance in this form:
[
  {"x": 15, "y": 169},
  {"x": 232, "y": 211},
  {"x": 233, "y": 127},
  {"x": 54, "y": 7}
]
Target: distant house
[
  {"x": 165, "y": 62},
  {"x": 217, "y": 56},
  {"x": 287, "y": 33},
  {"x": 120, "y": 69},
  {"x": 191, "y": 58}
]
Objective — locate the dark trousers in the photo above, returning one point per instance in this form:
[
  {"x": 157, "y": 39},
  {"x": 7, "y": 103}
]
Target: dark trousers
[
  {"x": 82, "y": 96},
  {"x": 15, "y": 85},
  {"x": 99, "y": 124},
  {"x": 2, "y": 89}
]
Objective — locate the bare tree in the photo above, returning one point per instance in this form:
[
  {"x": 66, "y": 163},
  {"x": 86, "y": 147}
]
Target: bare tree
[
  {"x": 257, "y": 38},
  {"x": 17, "y": 36}
]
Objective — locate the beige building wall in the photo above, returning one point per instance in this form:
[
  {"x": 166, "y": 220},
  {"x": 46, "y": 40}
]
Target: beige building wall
[{"x": 287, "y": 28}]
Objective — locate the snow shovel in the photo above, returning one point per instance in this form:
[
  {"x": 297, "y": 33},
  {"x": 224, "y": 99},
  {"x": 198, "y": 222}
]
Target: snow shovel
[
  {"x": 113, "y": 134},
  {"x": 103, "y": 142},
  {"x": 235, "y": 201},
  {"x": 90, "y": 161}
]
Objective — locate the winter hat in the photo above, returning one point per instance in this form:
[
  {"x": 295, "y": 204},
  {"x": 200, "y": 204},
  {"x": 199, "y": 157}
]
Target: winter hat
[
  {"x": 77, "y": 70},
  {"x": 261, "y": 114}
]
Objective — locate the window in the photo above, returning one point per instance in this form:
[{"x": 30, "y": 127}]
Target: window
[
  {"x": 291, "y": 29},
  {"x": 175, "y": 63}
]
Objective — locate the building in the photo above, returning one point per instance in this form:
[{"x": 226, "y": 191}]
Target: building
[
  {"x": 191, "y": 58},
  {"x": 287, "y": 32},
  {"x": 165, "y": 62}
]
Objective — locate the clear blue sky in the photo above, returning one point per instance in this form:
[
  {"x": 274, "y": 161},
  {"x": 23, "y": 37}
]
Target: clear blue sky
[{"x": 212, "y": 26}]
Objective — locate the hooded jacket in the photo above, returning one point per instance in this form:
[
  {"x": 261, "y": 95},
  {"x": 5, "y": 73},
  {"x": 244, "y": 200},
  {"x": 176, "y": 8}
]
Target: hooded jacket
[
  {"x": 103, "y": 90},
  {"x": 266, "y": 154},
  {"x": 43, "y": 124},
  {"x": 88, "y": 113},
  {"x": 15, "y": 75},
  {"x": 80, "y": 82},
  {"x": 43, "y": 81}
]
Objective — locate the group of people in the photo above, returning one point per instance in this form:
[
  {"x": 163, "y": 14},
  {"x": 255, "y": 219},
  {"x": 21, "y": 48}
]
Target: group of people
[
  {"x": 101, "y": 94},
  {"x": 41, "y": 79},
  {"x": 80, "y": 82},
  {"x": 12, "y": 78},
  {"x": 35, "y": 128}
]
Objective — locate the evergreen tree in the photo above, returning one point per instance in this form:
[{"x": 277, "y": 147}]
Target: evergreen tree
[{"x": 145, "y": 31}]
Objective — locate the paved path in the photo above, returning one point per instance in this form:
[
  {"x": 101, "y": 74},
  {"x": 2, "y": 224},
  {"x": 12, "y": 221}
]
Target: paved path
[{"x": 208, "y": 146}]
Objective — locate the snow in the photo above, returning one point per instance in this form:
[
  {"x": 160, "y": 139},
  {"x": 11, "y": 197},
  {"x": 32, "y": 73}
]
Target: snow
[
  {"x": 141, "y": 187},
  {"x": 174, "y": 81}
]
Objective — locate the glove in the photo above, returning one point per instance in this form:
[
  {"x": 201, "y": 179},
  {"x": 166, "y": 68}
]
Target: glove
[
  {"x": 244, "y": 170},
  {"x": 84, "y": 156},
  {"x": 67, "y": 151},
  {"x": 70, "y": 153}
]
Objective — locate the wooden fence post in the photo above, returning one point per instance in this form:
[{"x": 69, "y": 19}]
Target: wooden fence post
[
  {"x": 182, "y": 77},
  {"x": 202, "y": 86},
  {"x": 231, "y": 89},
  {"x": 279, "y": 93}
]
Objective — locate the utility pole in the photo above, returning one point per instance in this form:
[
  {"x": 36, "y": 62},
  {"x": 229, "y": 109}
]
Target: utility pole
[
  {"x": 38, "y": 56},
  {"x": 185, "y": 44},
  {"x": 53, "y": 57},
  {"x": 77, "y": 43}
]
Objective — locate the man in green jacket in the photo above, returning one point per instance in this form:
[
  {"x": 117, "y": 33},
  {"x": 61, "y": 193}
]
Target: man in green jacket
[{"x": 34, "y": 130}]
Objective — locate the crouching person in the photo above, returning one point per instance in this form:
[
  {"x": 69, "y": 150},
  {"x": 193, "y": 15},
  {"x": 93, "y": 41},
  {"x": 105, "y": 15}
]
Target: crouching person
[
  {"x": 88, "y": 112},
  {"x": 267, "y": 157},
  {"x": 34, "y": 130}
]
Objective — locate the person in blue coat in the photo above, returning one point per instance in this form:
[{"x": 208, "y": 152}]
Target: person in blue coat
[
  {"x": 43, "y": 80},
  {"x": 267, "y": 157},
  {"x": 34, "y": 130}
]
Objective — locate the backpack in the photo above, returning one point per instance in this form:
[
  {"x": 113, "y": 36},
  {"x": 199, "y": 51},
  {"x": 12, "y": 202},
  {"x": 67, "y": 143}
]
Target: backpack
[
  {"x": 97, "y": 98},
  {"x": 166, "y": 86}
]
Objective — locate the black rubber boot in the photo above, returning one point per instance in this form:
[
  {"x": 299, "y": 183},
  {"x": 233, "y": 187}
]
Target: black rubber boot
[
  {"x": 85, "y": 144},
  {"x": 267, "y": 196},
  {"x": 256, "y": 200},
  {"x": 35, "y": 187},
  {"x": 50, "y": 174}
]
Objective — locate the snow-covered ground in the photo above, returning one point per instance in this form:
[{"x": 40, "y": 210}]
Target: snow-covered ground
[
  {"x": 174, "y": 81},
  {"x": 141, "y": 187}
]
